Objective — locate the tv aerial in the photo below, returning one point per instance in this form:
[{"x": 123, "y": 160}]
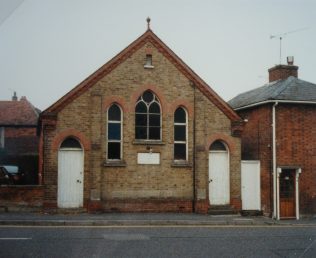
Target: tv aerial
[{"x": 282, "y": 35}]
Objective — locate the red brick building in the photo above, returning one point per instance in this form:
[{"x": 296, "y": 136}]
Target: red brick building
[
  {"x": 142, "y": 133},
  {"x": 280, "y": 131},
  {"x": 18, "y": 139}
]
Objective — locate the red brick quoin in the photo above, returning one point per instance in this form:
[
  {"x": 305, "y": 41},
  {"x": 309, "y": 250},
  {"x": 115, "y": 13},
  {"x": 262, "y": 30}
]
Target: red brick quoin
[
  {"x": 221, "y": 137},
  {"x": 114, "y": 99},
  {"x": 60, "y": 137},
  {"x": 182, "y": 103},
  {"x": 140, "y": 91}
]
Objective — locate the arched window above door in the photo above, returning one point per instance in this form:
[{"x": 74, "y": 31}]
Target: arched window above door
[
  {"x": 218, "y": 146},
  {"x": 70, "y": 143}
]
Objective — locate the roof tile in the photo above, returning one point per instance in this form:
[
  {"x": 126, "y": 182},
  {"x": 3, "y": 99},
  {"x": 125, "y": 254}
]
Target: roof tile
[
  {"x": 18, "y": 113},
  {"x": 290, "y": 89}
]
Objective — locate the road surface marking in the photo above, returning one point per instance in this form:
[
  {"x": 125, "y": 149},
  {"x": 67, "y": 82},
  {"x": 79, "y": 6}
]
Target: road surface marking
[
  {"x": 125, "y": 237},
  {"x": 307, "y": 248},
  {"x": 15, "y": 238}
]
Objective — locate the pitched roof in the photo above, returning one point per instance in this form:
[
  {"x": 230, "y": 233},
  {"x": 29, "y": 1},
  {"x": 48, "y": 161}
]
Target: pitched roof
[
  {"x": 290, "y": 89},
  {"x": 18, "y": 113},
  {"x": 148, "y": 36}
]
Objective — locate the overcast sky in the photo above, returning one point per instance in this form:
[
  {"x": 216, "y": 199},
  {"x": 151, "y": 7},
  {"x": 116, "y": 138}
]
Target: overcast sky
[{"x": 48, "y": 47}]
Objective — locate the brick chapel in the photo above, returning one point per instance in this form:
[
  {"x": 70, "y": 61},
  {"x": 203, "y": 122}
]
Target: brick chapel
[{"x": 142, "y": 133}]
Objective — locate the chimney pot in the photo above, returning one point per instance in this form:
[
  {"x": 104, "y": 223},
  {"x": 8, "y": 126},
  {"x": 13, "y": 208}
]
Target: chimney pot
[
  {"x": 14, "y": 97},
  {"x": 290, "y": 60}
]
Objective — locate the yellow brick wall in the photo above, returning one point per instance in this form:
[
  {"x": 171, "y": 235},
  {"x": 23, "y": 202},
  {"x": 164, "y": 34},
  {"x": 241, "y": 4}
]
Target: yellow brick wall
[{"x": 87, "y": 114}]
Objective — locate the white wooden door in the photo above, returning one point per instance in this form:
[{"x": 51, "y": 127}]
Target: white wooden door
[
  {"x": 219, "y": 187},
  {"x": 70, "y": 178},
  {"x": 250, "y": 185}
]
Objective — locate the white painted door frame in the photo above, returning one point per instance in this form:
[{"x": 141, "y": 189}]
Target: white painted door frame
[
  {"x": 219, "y": 177},
  {"x": 70, "y": 178},
  {"x": 298, "y": 171}
]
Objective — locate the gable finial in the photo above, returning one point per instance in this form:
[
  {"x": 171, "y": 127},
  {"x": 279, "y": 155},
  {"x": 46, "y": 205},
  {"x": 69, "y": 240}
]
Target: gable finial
[{"x": 148, "y": 23}]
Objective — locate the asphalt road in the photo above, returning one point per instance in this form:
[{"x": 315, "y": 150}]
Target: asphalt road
[{"x": 210, "y": 241}]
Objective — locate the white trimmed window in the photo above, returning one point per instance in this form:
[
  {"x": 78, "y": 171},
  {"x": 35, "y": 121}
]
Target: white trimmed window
[
  {"x": 148, "y": 117},
  {"x": 1, "y": 137},
  {"x": 180, "y": 134},
  {"x": 114, "y": 133},
  {"x": 149, "y": 61}
]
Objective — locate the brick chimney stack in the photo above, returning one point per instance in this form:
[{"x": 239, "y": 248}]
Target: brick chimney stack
[{"x": 281, "y": 72}]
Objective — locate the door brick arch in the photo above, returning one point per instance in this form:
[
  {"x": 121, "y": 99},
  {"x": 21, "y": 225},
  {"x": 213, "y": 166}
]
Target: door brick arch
[{"x": 61, "y": 136}]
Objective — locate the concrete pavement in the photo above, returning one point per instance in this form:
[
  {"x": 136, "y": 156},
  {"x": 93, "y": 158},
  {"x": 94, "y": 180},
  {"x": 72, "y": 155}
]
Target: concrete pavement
[{"x": 142, "y": 219}]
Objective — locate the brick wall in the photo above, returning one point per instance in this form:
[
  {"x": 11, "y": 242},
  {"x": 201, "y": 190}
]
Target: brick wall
[
  {"x": 281, "y": 72},
  {"x": 296, "y": 137},
  {"x": 18, "y": 197},
  {"x": 145, "y": 205},
  {"x": 212, "y": 125},
  {"x": 163, "y": 186},
  {"x": 257, "y": 145},
  {"x": 19, "y": 140},
  {"x": 296, "y": 146}
]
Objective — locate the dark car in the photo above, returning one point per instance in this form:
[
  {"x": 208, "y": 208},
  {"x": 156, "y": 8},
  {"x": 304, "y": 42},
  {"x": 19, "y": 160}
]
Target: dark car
[
  {"x": 10, "y": 175},
  {"x": 5, "y": 177}
]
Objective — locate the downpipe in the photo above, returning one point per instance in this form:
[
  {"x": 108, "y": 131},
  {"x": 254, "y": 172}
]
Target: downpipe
[{"x": 274, "y": 161}]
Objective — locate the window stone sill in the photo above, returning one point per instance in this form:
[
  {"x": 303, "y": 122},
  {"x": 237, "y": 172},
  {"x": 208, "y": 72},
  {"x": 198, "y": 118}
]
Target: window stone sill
[
  {"x": 145, "y": 142},
  {"x": 114, "y": 164},
  {"x": 180, "y": 164},
  {"x": 148, "y": 66}
]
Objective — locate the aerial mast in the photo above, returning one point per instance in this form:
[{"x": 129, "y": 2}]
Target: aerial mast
[{"x": 282, "y": 35}]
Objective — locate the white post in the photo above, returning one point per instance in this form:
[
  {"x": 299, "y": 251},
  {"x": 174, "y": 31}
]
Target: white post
[
  {"x": 279, "y": 171},
  {"x": 297, "y": 204}
]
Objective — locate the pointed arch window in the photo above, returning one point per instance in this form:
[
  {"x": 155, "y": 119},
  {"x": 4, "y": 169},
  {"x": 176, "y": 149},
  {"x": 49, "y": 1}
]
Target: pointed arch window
[
  {"x": 148, "y": 117},
  {"x": 180, "y": 134},
  {"x": 114, "y": 133}
]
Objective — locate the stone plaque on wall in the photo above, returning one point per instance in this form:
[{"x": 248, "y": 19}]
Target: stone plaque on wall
[{"x": 148, "y": 158}]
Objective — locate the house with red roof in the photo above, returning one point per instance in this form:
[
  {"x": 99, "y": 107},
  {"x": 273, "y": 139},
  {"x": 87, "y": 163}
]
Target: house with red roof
[
  {"x": 142, "y": 133},
  {"x": 18, "y": 138}
]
